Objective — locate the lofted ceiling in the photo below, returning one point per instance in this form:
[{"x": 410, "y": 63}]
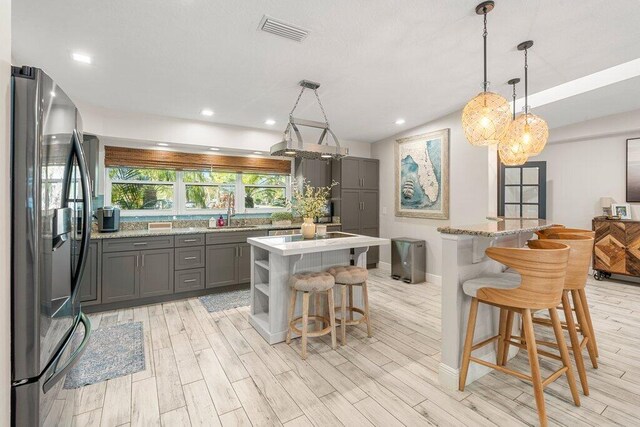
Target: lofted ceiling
[{"x": 377, "y": 60}]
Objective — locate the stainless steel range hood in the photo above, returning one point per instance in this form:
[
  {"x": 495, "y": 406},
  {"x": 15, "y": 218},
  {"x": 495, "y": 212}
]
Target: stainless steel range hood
[{"x": 297, "y": 148}]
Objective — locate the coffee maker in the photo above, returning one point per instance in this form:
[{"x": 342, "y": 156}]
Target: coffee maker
[{"x": 108, "y": 219}]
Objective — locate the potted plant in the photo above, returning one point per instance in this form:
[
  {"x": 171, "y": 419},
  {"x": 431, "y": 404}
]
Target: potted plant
[
  {"x": 281, "y": 219},
  {"x": 309, "y": 202}
]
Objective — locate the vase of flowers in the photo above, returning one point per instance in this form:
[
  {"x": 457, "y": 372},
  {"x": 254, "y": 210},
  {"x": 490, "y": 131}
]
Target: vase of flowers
[{"x": 309, "y": 202}]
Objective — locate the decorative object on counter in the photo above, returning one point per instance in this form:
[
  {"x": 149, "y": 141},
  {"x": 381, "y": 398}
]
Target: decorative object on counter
[
  {"x": 486, "y": 117},
  {"x": 633, "y": 170},
  {"x": 212, "y": 222},
  {"x": 514, "y": 153},
  {"x": 623, "y": 210},
  {"x": 220, "y": 222},
  {"x": 528, "y": 130},
  {"x": 281, "y": 219},
  {"x": 113, "y": 351},
  {"x": 321, "y": 230},
  {"x": 320, "y": 150},
  {"x": 422, "y": 175},
  {"x": 310, "y": 202},
  {"x": 226, "y": 300},
  {"x": 605, "y": 204},
  {"x": 157, "y": 226}
]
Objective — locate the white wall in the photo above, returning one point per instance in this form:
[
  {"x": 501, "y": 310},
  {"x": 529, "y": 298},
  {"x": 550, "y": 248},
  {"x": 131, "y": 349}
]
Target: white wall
[
  {"x": 5, "y": 224},
  {"x": 147, "y": 127},
  {"x": 468, "y": 190},
  {"x": 586, "y": 161}
]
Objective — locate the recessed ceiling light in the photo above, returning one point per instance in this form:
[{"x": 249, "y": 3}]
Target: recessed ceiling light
[
  {"x": 52, "y": 93},
  {"x": 257, "y": 152},
  {"x": 214, "y": 149},
  {"x": 162, "y": 144},
  {"x": 80, "y": 57},
  {"x": 53, "y": 137},
  {"x": 400, "y": 121},
  {"x": 326, "y": 156},
  {"x": 206, "y": 112},
  {"x": 269, "y": 122}
]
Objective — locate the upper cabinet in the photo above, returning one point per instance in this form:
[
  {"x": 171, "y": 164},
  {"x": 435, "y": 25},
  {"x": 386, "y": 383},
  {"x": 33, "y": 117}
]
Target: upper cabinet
[
  {"x": 356, "y": 173},
  {"x": 316, "y": 172}
]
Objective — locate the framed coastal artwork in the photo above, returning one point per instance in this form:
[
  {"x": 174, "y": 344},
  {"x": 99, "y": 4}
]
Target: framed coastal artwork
[
  {"x": 422, "y": 175},
  {"x": 633, "y": 170}
]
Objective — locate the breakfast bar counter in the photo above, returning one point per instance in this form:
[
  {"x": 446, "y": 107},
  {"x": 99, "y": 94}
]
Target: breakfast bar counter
[
  {"x": 274, "y": 259},
  {"x": 463, "y": 258}
]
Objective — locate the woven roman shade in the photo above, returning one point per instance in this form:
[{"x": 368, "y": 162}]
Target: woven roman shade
[{"x": 158, "y": 159}]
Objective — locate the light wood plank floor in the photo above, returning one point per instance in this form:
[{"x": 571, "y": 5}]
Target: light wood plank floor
[{"x": 214, "y": 369}]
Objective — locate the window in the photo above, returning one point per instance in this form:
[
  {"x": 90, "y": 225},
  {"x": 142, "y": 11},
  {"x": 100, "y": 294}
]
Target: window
[
  {"x": 264, "y": 191},
  {"x": 139, "y": 191},
  {"x": 523, "y": 190},
  {"x": 142, "y": 189}
]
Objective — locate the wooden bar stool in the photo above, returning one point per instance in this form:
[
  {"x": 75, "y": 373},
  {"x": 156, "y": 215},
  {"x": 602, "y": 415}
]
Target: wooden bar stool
[
  {"x": 309, "y": 283},
  {"x": 539, "y": 286},
  {"x": 577, "y": 285},
  {"x": 347, "y": 277},
  {"x": 544, "y": 234}
]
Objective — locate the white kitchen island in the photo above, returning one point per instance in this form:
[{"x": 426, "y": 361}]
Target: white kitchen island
[
  {"x": 463, "y": 258},
  {"x": 275, "y": 258}
]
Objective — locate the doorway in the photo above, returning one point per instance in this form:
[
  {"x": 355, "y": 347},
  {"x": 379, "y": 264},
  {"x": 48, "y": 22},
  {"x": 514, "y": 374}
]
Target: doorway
[{"x": 523, "y": 191}]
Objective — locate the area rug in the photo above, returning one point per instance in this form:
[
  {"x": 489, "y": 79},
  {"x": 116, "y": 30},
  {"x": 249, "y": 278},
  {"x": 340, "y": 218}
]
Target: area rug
[
  {"x": 112, "y": 352},
  {"x": 226, "y": 300}
]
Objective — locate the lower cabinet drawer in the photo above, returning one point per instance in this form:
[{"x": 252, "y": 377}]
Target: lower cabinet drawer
[
  {"x": 187, "y": 258},
  {"x": 189, "y": 280}
]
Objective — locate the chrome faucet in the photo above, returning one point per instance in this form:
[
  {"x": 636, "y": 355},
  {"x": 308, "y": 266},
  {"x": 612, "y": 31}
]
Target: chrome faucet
[{"x": 231, "y": 209}]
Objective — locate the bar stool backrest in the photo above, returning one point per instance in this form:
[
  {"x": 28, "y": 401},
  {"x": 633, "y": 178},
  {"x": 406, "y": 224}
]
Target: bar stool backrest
[
  {"x": 545, "y": 234},
  {"x": 542, "y": 268},
  {"x": 579, "y": 258}
]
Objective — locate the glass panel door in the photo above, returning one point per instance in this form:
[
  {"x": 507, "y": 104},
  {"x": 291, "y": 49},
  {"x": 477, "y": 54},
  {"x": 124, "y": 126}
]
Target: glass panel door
[{"x": 523, "y": 191}]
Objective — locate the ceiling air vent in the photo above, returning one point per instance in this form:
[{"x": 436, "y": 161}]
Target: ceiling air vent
[{"x": 282, "y": 29}]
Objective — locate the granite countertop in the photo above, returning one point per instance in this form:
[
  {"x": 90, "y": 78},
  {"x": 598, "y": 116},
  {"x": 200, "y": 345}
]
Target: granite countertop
[
  {"x": 195, "y": 230},
  {"x": 281, "y": 245},
  {"x": 499, "y": 227}
]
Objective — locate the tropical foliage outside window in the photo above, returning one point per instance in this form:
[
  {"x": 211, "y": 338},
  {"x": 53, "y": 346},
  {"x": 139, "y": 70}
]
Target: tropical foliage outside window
[{"x": 182, "y": 192}]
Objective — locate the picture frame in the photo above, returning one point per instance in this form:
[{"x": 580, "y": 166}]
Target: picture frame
[
  {"x": 623, "y": 210},
  {"x": 633, "y": 170},
  {"x": 422, "y": 175}
]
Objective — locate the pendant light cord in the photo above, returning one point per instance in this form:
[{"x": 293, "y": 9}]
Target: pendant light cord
[
  {"x": 485, "y": 83},
  {"x": 526, "y": 82},
  {"x": 514, "y": 102}
]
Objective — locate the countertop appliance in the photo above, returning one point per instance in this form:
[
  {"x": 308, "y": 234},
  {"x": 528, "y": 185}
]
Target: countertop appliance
[
  {"x": 408, "y": 260},
  {"x": 108, "y": 219},
  {"x": 50, "y": 210}
]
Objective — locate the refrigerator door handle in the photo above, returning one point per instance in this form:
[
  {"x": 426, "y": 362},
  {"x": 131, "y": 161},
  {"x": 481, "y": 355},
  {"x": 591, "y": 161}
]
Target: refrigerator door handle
[
  {"x": 57, "y": 375},
  {"x": 86, "y": 213}
]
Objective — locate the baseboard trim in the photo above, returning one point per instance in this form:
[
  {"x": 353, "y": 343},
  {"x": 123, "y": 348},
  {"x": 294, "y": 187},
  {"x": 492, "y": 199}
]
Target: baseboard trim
[{"x": 431, "y": 278}]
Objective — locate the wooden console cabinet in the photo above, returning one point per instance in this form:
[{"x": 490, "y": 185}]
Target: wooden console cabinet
[{"x": 617, "y": 247}]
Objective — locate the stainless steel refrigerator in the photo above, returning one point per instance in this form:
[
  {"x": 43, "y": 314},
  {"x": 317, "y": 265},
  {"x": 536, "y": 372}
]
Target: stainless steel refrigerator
[{"x": 50, "y": 239}]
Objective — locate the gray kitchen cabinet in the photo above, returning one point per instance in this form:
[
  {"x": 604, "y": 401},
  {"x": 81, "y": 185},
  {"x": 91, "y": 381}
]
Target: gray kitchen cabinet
[
  {"x": 222, "y": 265},
  {"x": 91, "y": 277},
  {"x": 189, "y": 280},
  {"x": 316, "y": 172},
  {"x": 120, "y": 278},
  {"x": 356, "y": 173},
  {"x": 356, "y": 199},
  {"x": 156, "y": 272},
  {"x": 244, "y": 263},
  {"x": 187, "y": 258}
]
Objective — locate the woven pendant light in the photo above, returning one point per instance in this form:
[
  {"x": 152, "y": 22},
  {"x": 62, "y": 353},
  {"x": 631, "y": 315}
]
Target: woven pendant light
[
  {"x": 510, "y": 150},
  {"x": 486, "y": 117},
  {"x": 532, "y": 130}
]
